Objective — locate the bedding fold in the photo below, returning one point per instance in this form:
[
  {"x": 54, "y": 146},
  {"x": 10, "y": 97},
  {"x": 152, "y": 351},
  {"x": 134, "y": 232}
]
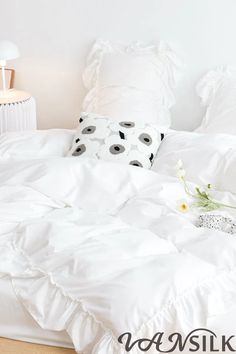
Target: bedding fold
[{"x": 104, "y": 251}]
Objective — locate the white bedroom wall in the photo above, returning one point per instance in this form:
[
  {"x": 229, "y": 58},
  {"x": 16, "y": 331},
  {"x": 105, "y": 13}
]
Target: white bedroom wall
[{"x": 54, "y": 37}]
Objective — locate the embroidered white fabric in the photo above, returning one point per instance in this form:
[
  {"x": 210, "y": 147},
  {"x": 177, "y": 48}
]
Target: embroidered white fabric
[
  {"x": 131, "y": 82},
  {"x": 217, "y": 222},
  {"x": 18, "y": 116}
]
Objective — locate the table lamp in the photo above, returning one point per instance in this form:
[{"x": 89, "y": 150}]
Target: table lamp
[{"x": 8, "y": 51}]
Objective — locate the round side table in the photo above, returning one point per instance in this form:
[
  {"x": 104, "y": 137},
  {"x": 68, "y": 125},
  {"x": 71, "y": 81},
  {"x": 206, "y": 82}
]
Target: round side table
[{"x": 17, "y": 111}]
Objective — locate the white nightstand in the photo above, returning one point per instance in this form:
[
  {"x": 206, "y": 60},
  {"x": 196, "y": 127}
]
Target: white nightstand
[{"x": 17, "y": 111}]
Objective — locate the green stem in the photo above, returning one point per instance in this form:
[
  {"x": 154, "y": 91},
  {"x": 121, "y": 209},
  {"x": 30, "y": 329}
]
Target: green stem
[
  {"x": 225, "y": 205},
  {"x": 196, "y": 197},
  {"x": 187, "y": 189}
]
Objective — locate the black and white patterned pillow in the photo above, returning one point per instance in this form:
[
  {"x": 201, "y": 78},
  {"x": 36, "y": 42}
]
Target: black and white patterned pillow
[{"x": 124, "y": 141}]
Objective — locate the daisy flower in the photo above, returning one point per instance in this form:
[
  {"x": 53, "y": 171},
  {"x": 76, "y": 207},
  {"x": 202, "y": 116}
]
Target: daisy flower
[{"x": 183, "y": 206}]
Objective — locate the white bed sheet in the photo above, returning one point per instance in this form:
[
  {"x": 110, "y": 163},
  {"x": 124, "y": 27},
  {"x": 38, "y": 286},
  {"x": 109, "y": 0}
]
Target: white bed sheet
[
  {"x": 58, "y": 256},
  {"x": 15, "y": 320},
  {"x": 115, "y": 215},
  {"x": 17, "y": 323}
]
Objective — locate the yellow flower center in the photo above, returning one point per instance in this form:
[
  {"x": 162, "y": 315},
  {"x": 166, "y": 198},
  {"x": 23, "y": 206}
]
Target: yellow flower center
[{"x": 184, "y": 207}]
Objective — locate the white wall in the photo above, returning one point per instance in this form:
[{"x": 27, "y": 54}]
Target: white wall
[{"x": 54, "y": 37}]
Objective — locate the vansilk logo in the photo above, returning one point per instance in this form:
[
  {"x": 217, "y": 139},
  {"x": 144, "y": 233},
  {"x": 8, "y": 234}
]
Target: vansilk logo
[{"x": 200, "y": 340}]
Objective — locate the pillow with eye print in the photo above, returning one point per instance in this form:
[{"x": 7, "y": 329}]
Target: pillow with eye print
[{"x": 125, "y": 141}]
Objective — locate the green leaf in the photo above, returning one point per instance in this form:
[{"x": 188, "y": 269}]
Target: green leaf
[{"x": 202, "y": 194}]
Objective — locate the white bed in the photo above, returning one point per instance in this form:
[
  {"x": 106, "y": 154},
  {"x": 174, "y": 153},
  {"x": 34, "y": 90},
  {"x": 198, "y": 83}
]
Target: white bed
[
  {"x": 16, "y": 322},
  {"x": 65, "y": 219}
]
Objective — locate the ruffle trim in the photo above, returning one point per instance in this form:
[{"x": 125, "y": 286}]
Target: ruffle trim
[
  {"x": 168, "y": 62},
  {"x": 209, "y": 84},
  {"x": 188, "y": 310}
]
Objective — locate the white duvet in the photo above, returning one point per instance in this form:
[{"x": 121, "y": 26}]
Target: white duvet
[{"x": 99, "y": 249}]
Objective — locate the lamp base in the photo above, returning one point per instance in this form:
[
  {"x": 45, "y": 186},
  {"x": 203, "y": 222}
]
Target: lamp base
[{"x": 13, "y": 96}]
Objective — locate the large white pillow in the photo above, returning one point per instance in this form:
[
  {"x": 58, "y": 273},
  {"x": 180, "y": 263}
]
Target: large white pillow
[
  {"x": 133, "y": 83},
  {"x": 217, "y": 90},
  {"x": 35, "y": 144},
  {"x": 207, "y": 158}
]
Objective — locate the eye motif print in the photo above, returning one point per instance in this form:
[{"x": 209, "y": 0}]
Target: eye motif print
[{"x": 125, "y": 141}]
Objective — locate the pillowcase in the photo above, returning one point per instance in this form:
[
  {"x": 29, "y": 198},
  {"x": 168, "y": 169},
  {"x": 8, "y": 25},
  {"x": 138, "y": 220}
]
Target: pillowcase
[
  {"x": 217, "y": 90},
  {"x": 133, "y": 83},
  {"x": 124, "y": 141},
  {"x": 206, "y": 158}
]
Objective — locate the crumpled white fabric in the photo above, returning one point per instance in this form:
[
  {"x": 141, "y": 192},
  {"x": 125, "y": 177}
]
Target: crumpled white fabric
[
  {"x": 36, "y": 144},
  {"x": 217, "y": 90},
  {"x": 99, "y": 249},
  {"x": 206, "y": 159}
]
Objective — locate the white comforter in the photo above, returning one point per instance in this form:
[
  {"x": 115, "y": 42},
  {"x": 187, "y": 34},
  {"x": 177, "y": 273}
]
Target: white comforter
[{"x": 99, "y": 249}]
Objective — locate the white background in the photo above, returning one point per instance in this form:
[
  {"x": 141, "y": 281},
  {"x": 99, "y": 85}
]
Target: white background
[{"x": 54, "y": 37}]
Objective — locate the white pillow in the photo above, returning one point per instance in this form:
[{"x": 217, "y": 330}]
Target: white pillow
[
  {"x": 217, "y": 90},
  {"x": 131, "y": 82},
  {"x": 207, "y": 158},
  {"x": 125, "y": 141},
  {"x": 35, "y": 144}
]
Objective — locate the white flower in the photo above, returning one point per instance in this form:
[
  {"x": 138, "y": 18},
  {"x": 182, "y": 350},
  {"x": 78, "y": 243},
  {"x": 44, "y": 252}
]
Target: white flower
[
  {"x": 126, "y": 127},
  {"x": 183, "y": 206},
  {"x": 85, "y": 148},
  {"x": 92, "y": 127},
  {"x": 179, "y": 165},
  {"x": 181, "y": 174},
  {"x": 136, "y": 158},
  {"x": 114, "y": 148},
  {"x": 147, "y": 140}
]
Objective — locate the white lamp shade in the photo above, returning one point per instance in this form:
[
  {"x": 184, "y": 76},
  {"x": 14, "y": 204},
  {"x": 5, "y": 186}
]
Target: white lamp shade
[{"x": 8, "y": 50}]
